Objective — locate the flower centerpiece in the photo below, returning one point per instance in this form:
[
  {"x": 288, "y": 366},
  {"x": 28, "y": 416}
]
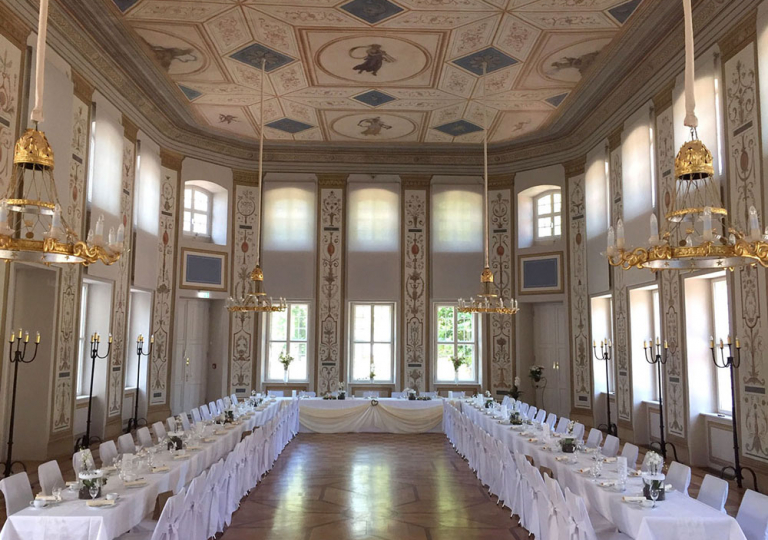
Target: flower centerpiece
[
  {"x": 488, "y": 399},
  {"x": 515, "y": 418},
  {"x": 90, "y": 479},
  {"x": 286, "y": 360},
  {"x": 175, "y": 441},
  {"x": 653, "y": 477},
  {"x": 411, "y": 393},
  {"x": 568, "y": 445},
  {"x": 229, "y": 416},
  {"x": 536, "y": 373},
  {"x": 457, "y": 362},
  {"x": 341, "y": 392},
  {"x": 515, "y": 393}
]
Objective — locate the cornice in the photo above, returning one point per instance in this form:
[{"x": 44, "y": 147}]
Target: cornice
[
  {"x": 501, "y": 181},
  {"x": 575, "y": 167},
  {"x": 663, "y": 99},
  {"x": 83, "y": 89},
  {"x": 245, "y": 177},
  {"x": 415, "y": 181},
  {"x": 614, "y": 139},
  {"x": 13, "y": 28},
  {"x": 130, "y": 130},
  {"x": 170, "y": 159},
  {"x": 739, "y": 36},
  {"x": 325, "y": 180}
]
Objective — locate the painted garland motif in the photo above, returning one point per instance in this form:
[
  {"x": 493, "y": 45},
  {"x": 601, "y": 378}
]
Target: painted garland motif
[
  {"x": 415, "y": 295},
  {"x": 502, "y": 344},
  {"x": 330, "y": 307},
  {"x": 579, "y": 301}
]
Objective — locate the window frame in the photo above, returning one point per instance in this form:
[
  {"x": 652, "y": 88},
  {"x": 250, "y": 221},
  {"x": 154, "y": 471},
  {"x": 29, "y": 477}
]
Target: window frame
[
  {"x": 208, "y": 235},
  {"x": 722, "y": 376},
  {"x": 82, "y": 339},
  {"x": 352, "y": 341},
  {"x": 268, "y": 341},
  {"x": 477, "y": 323},
  {"x": 552, "y": 215}
]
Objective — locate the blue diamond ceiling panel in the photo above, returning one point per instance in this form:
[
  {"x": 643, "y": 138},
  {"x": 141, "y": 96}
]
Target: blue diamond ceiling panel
[
  {"x": 459, "y": 127},
  {"x": 252, "y": 55},
  {"x": 492, "y": 56},
  {"x": 288, "y": 125},
  {"x": 372, "y": 11},
  {"x": 374, "y": 98}
]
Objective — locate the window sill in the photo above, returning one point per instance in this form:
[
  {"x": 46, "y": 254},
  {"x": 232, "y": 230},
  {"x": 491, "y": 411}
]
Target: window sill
[
  {"x": 724, "y": 419},
  {"x": 129, "y": 390},
  {"x": 460, "y": 383}
]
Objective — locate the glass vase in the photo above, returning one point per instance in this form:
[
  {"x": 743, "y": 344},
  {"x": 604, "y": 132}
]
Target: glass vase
[{"x": 285, "y": 376}]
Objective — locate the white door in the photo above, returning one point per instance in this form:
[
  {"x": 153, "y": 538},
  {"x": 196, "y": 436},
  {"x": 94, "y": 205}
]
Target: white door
[
  {"x": 551, "y": 351},
  {"x": 191, "y": 354}
]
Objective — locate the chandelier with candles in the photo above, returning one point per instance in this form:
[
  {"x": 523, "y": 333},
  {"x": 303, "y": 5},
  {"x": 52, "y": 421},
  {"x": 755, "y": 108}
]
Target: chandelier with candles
[
  {"x": 253, "y": 297},
  {"x": 32, "y": 227},
  {"x": 488, "y": 300},
  {"x": 698, "y": 232}
]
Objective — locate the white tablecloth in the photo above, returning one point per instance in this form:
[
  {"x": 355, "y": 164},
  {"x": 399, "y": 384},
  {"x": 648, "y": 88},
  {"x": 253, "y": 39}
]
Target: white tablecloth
[
  {"x": 384, "y": 415},
  {"x": 73, "y": 520},
  {"x": 679, "y": 517}
]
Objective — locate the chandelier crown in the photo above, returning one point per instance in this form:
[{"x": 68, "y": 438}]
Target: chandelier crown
[
  {"x": 33, "y": 150},
  {"x": 694, "y": 162}
]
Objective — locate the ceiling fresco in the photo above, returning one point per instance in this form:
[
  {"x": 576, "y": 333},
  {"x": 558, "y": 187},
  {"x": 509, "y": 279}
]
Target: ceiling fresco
[{"x": 405, "y": 71}]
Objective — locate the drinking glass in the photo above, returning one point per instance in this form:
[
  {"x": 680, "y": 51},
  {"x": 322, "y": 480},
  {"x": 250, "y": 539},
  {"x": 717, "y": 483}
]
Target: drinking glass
[
  {"x": 56, "y": 492},
  {"x": 94, "y": 490},
  {"x": 654, "y": 493}
]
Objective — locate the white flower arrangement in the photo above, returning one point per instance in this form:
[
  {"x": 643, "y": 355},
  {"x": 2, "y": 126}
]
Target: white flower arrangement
[
  {"x": 86, "y": 459},
  {"x": 340, "y": 386},
  {"x": 653, "y": 462},
  {"x": 571, "y": 425},
  {"x": 517, "y": 381},
  {"x": 488, "y": 393}
]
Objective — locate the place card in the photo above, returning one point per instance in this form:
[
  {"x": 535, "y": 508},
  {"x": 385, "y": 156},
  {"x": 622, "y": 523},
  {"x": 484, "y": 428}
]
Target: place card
[
  {"x": 135, "y": 483},
  {"x": 635, "y": 473},
  {"x": 229, "y": 426},
  {"x": 161, "y": 468},
  {"x": 181, "y": 457},
  {"x": 94, "y": 503}
]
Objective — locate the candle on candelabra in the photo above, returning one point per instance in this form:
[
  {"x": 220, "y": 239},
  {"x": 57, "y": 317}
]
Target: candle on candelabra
[{"x": 152, "y": 338}]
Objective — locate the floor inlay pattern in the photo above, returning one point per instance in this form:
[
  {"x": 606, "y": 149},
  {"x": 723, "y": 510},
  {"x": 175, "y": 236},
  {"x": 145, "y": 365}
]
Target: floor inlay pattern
[{"x": 371, "y": 486}]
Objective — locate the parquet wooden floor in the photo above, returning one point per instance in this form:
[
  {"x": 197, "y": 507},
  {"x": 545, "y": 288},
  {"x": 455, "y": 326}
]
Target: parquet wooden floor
[{"x": 371, "y": 486}]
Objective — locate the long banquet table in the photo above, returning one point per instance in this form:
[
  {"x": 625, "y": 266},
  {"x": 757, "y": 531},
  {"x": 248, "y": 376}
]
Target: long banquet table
[
  {"x": 381, "y": 415},
  {"x": 679, "y": 517},
  {"x": 72, "y": 519}
]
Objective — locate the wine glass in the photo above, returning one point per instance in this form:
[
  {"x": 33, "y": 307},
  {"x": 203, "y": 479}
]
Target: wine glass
[
  {"x": 93, "y": 490},
  {"x": 56, "y": 492},
  {"x": 654, "y": 492}
]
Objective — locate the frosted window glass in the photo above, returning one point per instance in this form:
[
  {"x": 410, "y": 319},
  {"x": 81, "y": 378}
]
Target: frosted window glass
[
  {"x": 148, "y": 189},
  {"x": 289, "y": 219},
  {"x": 107, "y": 162},
  {"x": 374, "y": 220},
  {"x": 457, "y": 220}
]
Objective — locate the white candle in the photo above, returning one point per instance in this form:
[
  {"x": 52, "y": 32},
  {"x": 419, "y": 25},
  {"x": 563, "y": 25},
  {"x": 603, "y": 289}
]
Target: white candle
[
  {"x": 654, "y": 230},
  {"x": 707, "y": 219},
  {"x": 111, "y": 237},
  {"x": 611, "y": 240},
  {"x": 620, "y": 234},
  {"x": 121, "y": 235},
  {"x": 754, "y": 224},
  {"x": 98, "y": 236}
]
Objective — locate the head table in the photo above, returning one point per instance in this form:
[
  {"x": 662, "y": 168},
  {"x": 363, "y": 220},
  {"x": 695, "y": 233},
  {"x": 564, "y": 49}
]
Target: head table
[
  {"x": 679, "y": 517},
  {"x": 379, "y": 415},
  {"x": 72, "y": 519}
]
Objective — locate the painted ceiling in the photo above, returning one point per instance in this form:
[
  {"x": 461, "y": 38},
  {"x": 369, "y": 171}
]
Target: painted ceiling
[{"x": 405, "y": 71}]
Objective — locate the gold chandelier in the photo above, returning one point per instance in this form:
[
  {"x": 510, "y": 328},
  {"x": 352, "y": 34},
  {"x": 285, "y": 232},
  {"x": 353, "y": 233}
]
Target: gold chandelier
[
  {"x": 254, "y": 298},
  {"x": 488, "y": 301},
  {"x": 699, "y": 234},
  {"x": 37, "y": 231}
]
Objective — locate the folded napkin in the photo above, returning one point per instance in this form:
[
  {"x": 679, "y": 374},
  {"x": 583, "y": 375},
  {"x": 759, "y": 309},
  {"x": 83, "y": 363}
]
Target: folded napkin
[
  {"x": 561, "y": 458},
  {"x": 533, "y": 439},
  {"x": 100, "y": 502},
  {"x": 607, "y": 483},
  {"x": 41, "y": 497},
  {"x": 182, "y": 456},
  {"x": 557, "y": 435},
  {"x": 161, "y": 468},
  {"x": 635, "y": 473},
  {"x": 219, "y": 432},
  {"x": 208, "y": 439},
  {"x": 547, "y": 448},
  {"x": 585, "y": 470},
  {"x": 71, "y": 483},
  {"x": 193, "y": 447},
  {"x": 610, "y": 460},
  {"x": 135, "y": 483},
  {"x": 629, "y": 498},
  {"x": 229, "y": 426}
]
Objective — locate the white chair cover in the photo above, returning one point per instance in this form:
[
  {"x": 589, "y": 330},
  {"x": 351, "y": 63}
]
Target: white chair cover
[
  {"x": 713, "y": 492},
  {"x": 144, "y": 436},
  {"x": 276, "y": 393},
  {"x": 233, "y": 397},
  {"x": 371, "y": 394},
  {"x": 398, "y": 395},
  {"x": 578, "y": 431},
  {"x": 169, "y": 526},
  {"x": 196, "y": 418},
  {"x": 17, "y": 492},
  {"x": 107, "y": 453},
  {"x": 159, "y": 429},
  {"x": 125, "y": 444},
  {"x": 205, "y": 413},
  {"x": 220, "y": 405},
  {"x": 227, "y": 401},
  {"x": 171, "y": 423},
  {"x": 185, "y": 422},
  {"x": 562, "y": 425},
  {"x": 595, "y": 438},
  {"x": 532, "y": 411},
  {"x": 540, "y": 416},
  {"x": 552, "y": 420},
  {"x": 679, "y": 476},
  {"x": 49, "y": 475},
  {"x": 753, "y": 515},
  {"x": 195, "y": 520},
  {"x": 565, "y": 526},
  {"x": 214, "y": 496},
  {"x": 611, "y": 446},
  {"x": 214, "y": 409},
  {"x": 630, "y": 451},
  {"x": 547, "y": 523}
]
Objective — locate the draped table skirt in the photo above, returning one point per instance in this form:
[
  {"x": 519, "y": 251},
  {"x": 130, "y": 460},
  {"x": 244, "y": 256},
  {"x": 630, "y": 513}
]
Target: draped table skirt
[{"x": 383, "y": 415}]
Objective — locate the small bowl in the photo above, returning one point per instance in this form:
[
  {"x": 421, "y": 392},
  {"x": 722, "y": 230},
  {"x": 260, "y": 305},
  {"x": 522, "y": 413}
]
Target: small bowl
[
  {"x": 112, "y": 496},
  {"x": 647, "y": 504},
  {"x": 38, "y": 503}
]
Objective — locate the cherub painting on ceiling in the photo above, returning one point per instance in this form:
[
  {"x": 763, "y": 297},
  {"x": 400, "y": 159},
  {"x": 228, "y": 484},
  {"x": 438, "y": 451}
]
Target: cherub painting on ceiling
[
  {"x": 373, "y": 126},
  {"x": 373, "y": 60}
]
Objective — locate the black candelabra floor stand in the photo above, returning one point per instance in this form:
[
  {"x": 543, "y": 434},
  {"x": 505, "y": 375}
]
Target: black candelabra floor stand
[
  {"x": 135, "y": 422},
  {"x": 86, "y": 440},
  {"x": 660, "y": 360},
  {"x": 732, "y": 362},
  {"x": 605, "y": 356},
  {"x": 16, "y": 357}
]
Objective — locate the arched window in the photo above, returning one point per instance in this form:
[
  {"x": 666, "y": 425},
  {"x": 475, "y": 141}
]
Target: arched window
[
  {"x": 547, "y": 215},
  {"x": 198, "y": 207}
]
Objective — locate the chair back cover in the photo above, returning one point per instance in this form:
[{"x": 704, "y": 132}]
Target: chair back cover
[
  {"x": 195, "y": 514},
  {"x": 171, "y": 423},
  {"x": 578, "y": 431},
  {"x": 679, "y": 476},
  {"x": 214, "y": 409},
  {"x": 220, "y": 405},
  {"x": 713, "y": 492},
  {"x": 108, "y": 452},
  {"x": 17, "y": 492},
  {"x": 144, "y": 436},
  {"x": 159, "y": 429},
  {"x": 185, "y": 422},
  {"x": 371, "y": 394},
  {"x": 276, "y": 393},
  {"x": 196, "y": 418},
  {"x": 233, "y": 397},
  {"x": 540, "y": 416},
  {"x": 552, "y": 420},
  {"x": 227, "y": 401},
  {"x": 630, "y": 451},
  {"x": 562, "y": 425},
  {"x": 205, "y": 413},
  {"x": 753, "y": 515},
  {"x": 169, "y": 526},
  {"x": 125, "y": 444},
  {"x": 532, "y": 411},
  {"x": 49, "y": 475},
  {"x": 580, "y": 516},
  {"x": 595, "y": 438},
  {"x": 611, "y": 446}
]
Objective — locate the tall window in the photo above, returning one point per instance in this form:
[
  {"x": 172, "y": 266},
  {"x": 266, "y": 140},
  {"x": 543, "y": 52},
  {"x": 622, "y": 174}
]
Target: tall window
[
  {"x": 721, "y": 321},
  {"x": 602, "y": 329},
  {"x": 289, "y": 219},
  {"x": 374, "y": 219},
  {"x": 197, "y": 211},
  {"x": 372, "y": 351},
  {"x": 547, "y": 209},
  {"x": 656, "y": 315},
  {"x": 457, "y": 221},
  {"x": 288, "y": 333},
  {"x": 82, "y": 342},
  {"x": 456, "y": 337}
]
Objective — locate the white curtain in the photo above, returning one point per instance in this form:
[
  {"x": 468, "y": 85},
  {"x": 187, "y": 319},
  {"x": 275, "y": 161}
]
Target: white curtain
[
  {"x": 597, "y": 217},
  {"x": 107, "y": 169}
]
